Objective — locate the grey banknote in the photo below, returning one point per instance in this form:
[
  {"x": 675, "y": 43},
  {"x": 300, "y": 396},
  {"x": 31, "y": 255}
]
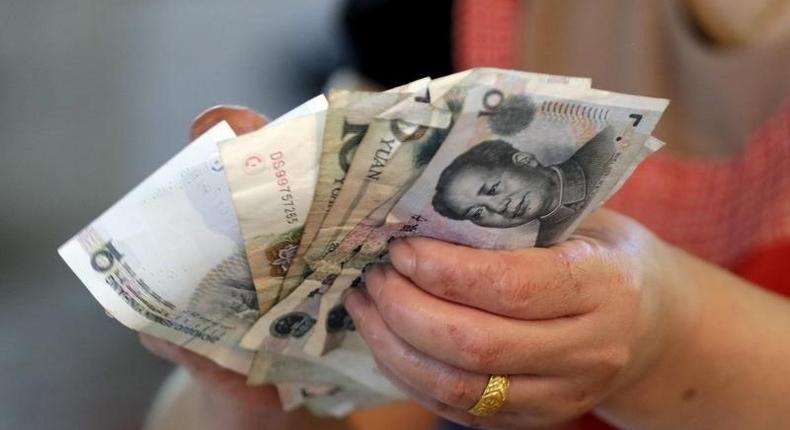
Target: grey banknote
[
  {"x": 369, "y": 235},
  {"x": 524, "y": 168}
]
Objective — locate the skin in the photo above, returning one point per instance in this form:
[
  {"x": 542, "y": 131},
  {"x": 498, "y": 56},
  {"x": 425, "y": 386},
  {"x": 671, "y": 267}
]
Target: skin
[
  {"x": 612, "y": 320},
  {"x": 744, "y": 23},
  {"x": 502, "y": 198},
  {"x": 228, "y": 402}
]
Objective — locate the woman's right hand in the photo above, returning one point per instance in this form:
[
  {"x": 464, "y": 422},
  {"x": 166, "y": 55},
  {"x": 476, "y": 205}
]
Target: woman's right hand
[
  {"x": 219, "y": 383},
  {"x": 229, "y": 401}
]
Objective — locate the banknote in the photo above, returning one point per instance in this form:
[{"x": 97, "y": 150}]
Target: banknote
[
  {"x": 348, "y": 122},
  {"x": 380, "y": 167},
  {"x": 356, "y": 111},
  {"x": 372, "y": 200},
  {"x": 168, "y": 259},
  {"x": 369, "y": 211},
  {"x": 240, "y": 251},
  {"x": 343, "y": 380},
  {"x": 372, "y": 145},
  {"x": 333, "y": 322},
  {"x": 351, "y": 366},
  {"x": 348, "y": 119},
  {"x": 290, "y": 395},
  {"x": 523, "y": 169},
  {"x": 391, "y": 155},
  {"x": 392, "y": 152},
  {"x": 340, "y": 402},
  {"x": 272, "y": 176}
]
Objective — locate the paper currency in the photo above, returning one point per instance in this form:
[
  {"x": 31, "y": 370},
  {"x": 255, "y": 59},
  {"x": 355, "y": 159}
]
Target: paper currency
[
  {"x": 523, "y": 169},
  {"x": 370, "y": 177},
  {"x": 272, "y": 175},
  {"x": 385, "y": 162},
  {"x": 168, "y": 259},
  {"x": 332, "y": 369},
  {"x": 341, "y": 381},
  {"x": 379, "y": 176},
  {"x": 593, "y": 138},
  {"x": 347, "y": 122},
  {"x": 489, "y": 158},
  {"x": 396, "y": 147}
]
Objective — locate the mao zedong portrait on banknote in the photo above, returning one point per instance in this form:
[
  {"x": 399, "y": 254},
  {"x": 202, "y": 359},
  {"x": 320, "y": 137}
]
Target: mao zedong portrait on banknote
[{"x": 496, "y": 185}]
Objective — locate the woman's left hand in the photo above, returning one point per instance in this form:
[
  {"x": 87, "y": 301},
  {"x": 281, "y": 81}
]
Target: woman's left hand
[{"x": 571, "y": 324}]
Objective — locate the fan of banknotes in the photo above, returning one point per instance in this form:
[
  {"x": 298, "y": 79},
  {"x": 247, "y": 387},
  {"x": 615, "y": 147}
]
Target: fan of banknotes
[{"x": 239, "y": 248}]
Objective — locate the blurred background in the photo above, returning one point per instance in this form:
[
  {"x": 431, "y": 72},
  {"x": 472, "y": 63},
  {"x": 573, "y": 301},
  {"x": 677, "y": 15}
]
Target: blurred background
[{"x": 94, "y": 95}]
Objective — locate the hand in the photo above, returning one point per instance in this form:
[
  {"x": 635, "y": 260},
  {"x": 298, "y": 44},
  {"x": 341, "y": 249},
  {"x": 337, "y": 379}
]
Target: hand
[
  {"x": 572, "y": 325},
  {"x": 242, "y": 120},
  {"x": 223, "y": 386}
]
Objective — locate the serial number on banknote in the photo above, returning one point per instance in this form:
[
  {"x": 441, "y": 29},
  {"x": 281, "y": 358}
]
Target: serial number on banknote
[{"x": 289, "y": 208}]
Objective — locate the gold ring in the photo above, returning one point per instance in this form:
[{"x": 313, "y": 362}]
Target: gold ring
[{"x": 493, "y": 396}]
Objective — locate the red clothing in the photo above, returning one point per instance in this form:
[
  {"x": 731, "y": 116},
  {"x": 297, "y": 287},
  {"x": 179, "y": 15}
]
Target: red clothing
[{"x": 733, "y": 212}]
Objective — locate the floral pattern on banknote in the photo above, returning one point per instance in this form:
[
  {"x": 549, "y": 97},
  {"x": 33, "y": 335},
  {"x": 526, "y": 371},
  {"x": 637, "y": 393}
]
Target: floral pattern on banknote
[{"x": 281, "y": 252}]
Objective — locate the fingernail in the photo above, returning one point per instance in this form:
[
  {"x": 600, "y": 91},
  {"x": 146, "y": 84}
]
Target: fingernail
[
  {"x": 375, "y": 279},
  {"x": 351, "y": 300},
  {"x": 371, "y": 272},
  {"x": 403, "y": 257},
  {"x": 347, "y": 292}
]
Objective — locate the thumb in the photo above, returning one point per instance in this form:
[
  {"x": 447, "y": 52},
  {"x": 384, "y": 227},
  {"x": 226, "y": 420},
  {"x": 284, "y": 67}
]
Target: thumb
[
  {"x": 242, "y": 120},
  {"x": 610, "y": 227}
]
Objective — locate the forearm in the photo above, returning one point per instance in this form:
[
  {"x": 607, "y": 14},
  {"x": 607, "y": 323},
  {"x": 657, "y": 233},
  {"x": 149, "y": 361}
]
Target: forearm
[{"x": 725, "y": 363}]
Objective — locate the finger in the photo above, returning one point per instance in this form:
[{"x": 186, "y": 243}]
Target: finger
[
  {"x": 207, "y": 372},
  {"x": 449, "y": 385},
  {"x": 509, "y": 416},
  {"x": 242, "y": 120},
  {"x": 174, "y": 353},
  {"x": 535, "y": 283},
  {"x": 542, "y": 397},
  {"x": 502, "y": 419},
  {"x": 613, "y": 229},
  {"x": 469, "y": 338},
  {"x": 199, "y": 366}
]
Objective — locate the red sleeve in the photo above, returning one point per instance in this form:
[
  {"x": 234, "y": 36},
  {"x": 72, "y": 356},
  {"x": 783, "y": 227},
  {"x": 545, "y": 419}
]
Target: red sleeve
[{"x": 768, "y": 267}]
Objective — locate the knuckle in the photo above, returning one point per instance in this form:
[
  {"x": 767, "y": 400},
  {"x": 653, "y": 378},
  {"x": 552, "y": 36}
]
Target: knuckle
[
  {"x": 481, "y": 356},
  {"x": 568, "y": 400},
  {"x": 579, "y": 401},
  {"x": 621, "y": 285},
  {"x": 462, "y": 342},
  {"x": 448, "y": 279},
  {"x": 457, "y": 392},
  {"x": 458, "y": 337},
  {"x": 568, "y": 274},
  {"x": 474, "y": 272},
  {"x": 611, "y": 361},
  {"x": 508, "y": 283}
]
